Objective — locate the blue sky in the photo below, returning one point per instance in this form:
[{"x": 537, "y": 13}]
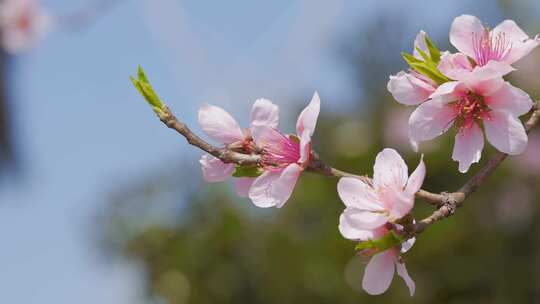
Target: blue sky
[{"x": 82, "y": 129}]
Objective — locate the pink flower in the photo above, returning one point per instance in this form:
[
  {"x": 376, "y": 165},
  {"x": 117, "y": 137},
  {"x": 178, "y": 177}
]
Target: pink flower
[
  {"x": 412, "y": 88},
  {"x": 505, "y": 43},
  {"x": 372, "y": 208},
  {"x": 380, "y": 270},
  {"x": 479, "y": 97},
  {"x": 22, "y": 24},
  {"x": 284, "y": 157},
  {"x": 387, "y": 199},
  {"x": 222, "y": 127}
]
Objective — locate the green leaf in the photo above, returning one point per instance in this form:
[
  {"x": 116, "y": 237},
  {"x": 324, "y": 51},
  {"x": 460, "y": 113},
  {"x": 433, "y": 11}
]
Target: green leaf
[
  {"x": 245, "y": 171},
  {"x": 386, "y": 242},
  {"x": 422, "y": 68},
  {"x": 410, "y": 59},
  {"x": 144, "y": 87},
  {"x": 142, "y": 75},
  {"x": 434, "y": 52},
  {"x": 428, "y": 64},
  {"x": 430, "y": 71}
]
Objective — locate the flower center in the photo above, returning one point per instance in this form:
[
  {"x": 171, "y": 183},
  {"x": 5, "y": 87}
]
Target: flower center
[
  {"x": 490, "y": 47},
  {"x": 468, "y": 109},
  {"x": 282, "y": 151}
]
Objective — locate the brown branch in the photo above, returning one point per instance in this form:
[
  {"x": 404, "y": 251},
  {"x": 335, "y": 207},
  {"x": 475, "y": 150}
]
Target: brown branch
[
  {"x": 451, "y": 201},
  {"x": 318, "y": 166},
  {"x": 224, "y": 154},
  {"x": 447, "y": 203}
]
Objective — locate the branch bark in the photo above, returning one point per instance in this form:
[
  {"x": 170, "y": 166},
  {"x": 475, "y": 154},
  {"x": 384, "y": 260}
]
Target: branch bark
[
  {"x": 224, "y": 154},
  {"x": 447, "y": 203},
  {"x": 451, "y": 201}
]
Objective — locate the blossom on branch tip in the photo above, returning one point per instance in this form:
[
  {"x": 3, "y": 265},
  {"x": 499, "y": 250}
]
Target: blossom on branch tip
[
  {"x": 222, "y": 127},
  {"x": 507, "y": 42},
  {"x": 284, "y": 157},
  {"x": 372, "y": 210},
  {"x": 22, "y": 24},
  {"x": 479, "y": 97}
]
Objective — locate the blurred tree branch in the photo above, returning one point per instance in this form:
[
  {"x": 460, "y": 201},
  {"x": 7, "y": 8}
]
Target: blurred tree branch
[
  {"x": 88, "y": 15},
  {"x": 6, "y": 145}
]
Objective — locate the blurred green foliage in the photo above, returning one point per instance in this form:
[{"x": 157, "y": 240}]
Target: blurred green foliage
[
  {"x": 221, "y": 249},
  {"x": 225, "y": 250}
]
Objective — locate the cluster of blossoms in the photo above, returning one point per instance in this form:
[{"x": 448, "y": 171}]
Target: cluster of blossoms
[
  {"x": 22, "y": 24},
  {"x": 467, "y": 89},
  {"x": 464, "y": 89},
  {"x": 372, "y": 210},
  {"x": 284, "y": 156}
]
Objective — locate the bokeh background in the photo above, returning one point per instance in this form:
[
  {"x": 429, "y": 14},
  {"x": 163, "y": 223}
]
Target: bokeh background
[{"x": 100, "y": 203}]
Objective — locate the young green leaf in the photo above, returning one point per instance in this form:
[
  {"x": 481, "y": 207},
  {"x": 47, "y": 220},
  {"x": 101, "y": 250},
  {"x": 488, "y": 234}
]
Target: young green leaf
[
  {"x": 144, "y": 87},
  {"x": 247, "y": 171},
  {"x": 410, "y": 59},
  {"x": 434, "y": 52},
  {"x": 386, "y": 242},
  {"x": 427, "y": 65}
]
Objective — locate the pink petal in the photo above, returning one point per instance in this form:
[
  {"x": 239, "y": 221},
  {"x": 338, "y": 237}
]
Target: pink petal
[
  {"x": 402, "y": 272},
  {"x": 407, "y": 245},
  {"x": 390, "y": 170},
  {"x": 283, "y": 187},
  {"x": 409, "y": 90},
  {"x": 305, "y": 148},
  {"x": 351, "y": 232},
  {"x": 420, "y": 42},
  {"x": 214, "y": 170},
  {"x": 379, "y": 273},
  {"x": 364, "y": 220},
  {"x": 264, "y": 135},
  {"x": 468, "y": 146},
  {"x": 521, "y": 44},
  {"x": 512, "y": 32},
  {"x": 446, "y": 91},
  {"x": 308, "y": 118},
  {"x": 430, "y": 119},
  {"x": 521, "y": 49},
  {"x": 219, "y": 125},
  {"x": 505, "y": 132},
  {"x": 462, "y": 31},
  {"x": 414, "y": 143},
  {"x": 356, "y": 194},
  {"x": 265, "y": 113},
  {"x": 511, "y": 99},
  {"x": 260, "y": 192},
  {"x": 487, "y": 79},
  {"x": 455, "y": 66},
  {"x": 415, "y": 181},
  {"x": 243, "y": 184},
  {"x": 399, "y": 203}
]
